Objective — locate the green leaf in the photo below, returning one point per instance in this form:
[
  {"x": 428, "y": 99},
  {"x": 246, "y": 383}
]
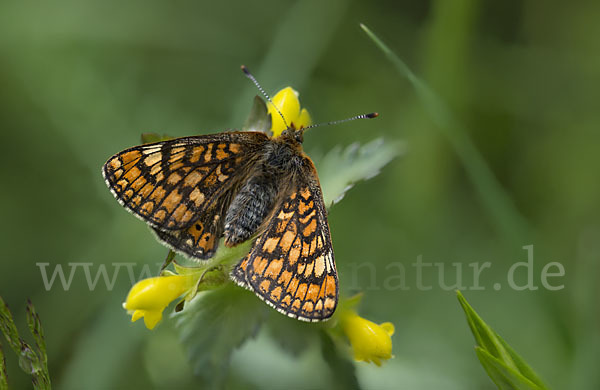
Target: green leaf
[
  {"x": 503, "y": 376},
  {"x": 3, "y": 374},
  {"x": 293, "y": 336},
  {"x": 224, "y": 256},
  {"x": 341, "y": 168},
  {"x": 258, "y": 119},
  {"x": 213, "y": 273},
  {"x": 214, "y": 324},
  {"x": 229, "y": 256},
  {"x": 209, "y": 279},
  {"x": 343, "y": 369},
  {"x": 494, "y": 198},
  {"x": 493, "y": 345}
]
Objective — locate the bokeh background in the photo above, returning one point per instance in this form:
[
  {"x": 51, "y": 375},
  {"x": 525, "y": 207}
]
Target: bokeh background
[{"x": 80, "y": 80}]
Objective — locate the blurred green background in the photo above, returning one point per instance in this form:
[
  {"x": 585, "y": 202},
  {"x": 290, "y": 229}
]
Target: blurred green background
[{"x": 80, "y": 80}]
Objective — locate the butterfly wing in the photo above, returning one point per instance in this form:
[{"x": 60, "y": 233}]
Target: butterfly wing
[
  {"x": 170, "y": 184},
  {"x": 182, "y": 187},
  {"x": 291, "y": 265},
  {"x": 200, "y": 240}
]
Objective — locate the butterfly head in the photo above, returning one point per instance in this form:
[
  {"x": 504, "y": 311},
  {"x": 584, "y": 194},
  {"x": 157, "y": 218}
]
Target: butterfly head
[{"x": 293, "y": 134}]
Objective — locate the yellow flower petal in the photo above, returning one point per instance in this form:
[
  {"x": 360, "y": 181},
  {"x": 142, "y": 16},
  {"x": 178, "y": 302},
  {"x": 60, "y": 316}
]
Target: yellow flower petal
[
  {"x": 155, "y": 293},
  {"x": 137, "y": 315},
  {"x": 304, "y": 119},
  {"x": 370, "y": 342},
  {"x": 149, "y": 297},
  {"x": 151, "y": 318},
  {"x": 288, "y": 104}
]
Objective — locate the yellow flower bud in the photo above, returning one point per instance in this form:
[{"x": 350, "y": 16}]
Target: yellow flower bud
[
  {"x": 288, "y": 104},
  {"x": 149, "y": 297},
  {"x": 370, "y": 342}
]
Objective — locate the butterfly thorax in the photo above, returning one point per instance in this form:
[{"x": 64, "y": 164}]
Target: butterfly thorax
[{"x": 280, "y": 159}]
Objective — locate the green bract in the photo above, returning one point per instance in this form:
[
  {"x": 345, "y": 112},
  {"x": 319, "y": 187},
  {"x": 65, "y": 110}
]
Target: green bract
[{"x": 504, "y": 366}]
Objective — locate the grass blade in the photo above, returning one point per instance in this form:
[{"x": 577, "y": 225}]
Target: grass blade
[{"x": 495, "y": 200}]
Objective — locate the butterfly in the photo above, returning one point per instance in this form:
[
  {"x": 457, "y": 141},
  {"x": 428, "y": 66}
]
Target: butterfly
[{"x": 236, "y": 185}]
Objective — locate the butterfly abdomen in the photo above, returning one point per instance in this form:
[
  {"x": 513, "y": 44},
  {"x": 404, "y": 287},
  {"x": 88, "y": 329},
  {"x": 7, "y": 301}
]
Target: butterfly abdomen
[{"x": 249, "y": 208}]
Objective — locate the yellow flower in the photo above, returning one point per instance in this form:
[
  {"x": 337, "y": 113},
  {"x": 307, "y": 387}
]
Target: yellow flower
[
  {"x": 370, "y": 342},
  {"x": 149, "y": 297},
  {"x": 287, "y": 102}
]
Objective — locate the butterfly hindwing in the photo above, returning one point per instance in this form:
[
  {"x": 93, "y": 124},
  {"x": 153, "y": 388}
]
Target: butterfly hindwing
[
  {"x": 171, "y": 184},
  {"x": 200, "y": 240},
  {"x": 291, "y": 265}
]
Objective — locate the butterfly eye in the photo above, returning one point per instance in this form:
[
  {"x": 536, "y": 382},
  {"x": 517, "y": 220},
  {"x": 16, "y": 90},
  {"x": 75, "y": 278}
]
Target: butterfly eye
[{"x": 298, "y": 136}]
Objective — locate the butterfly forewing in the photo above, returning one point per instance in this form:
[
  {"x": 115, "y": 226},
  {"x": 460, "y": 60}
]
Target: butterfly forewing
[
  {"x": 291, "y": 265},
  {"x": 171, "y": 184}
]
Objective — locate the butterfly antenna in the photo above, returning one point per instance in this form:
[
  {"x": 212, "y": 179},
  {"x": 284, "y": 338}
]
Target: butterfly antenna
[
  {"x": 363, "y": 116},
  {"x": 251, "y": 77}
]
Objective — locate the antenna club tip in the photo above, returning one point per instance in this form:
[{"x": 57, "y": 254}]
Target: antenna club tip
[
  {"x": 244, "y": 69},
  {"x": 372, "y": 115}
]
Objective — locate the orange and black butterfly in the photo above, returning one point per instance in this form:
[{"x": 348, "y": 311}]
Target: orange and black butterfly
[{"x": 193, "y": 191}]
